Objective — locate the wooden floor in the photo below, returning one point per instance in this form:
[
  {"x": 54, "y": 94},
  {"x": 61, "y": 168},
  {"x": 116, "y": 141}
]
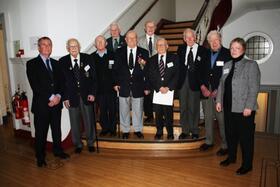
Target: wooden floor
[{"x": 133, "y": 168}]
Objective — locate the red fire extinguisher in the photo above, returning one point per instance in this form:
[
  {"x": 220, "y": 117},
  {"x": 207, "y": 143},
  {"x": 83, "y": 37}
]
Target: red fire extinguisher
[
  {"x": 25, "y": 110},
  {"x": 17, "y": 109}
]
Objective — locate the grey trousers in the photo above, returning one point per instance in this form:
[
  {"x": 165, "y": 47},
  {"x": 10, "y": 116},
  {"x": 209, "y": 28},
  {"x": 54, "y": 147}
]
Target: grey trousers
[
  {"x": 75, "y": 113},
  {"x": 210, "y": 112},
  {"x": 189, "y": 108},
  {"x": 136, "y": 105}
]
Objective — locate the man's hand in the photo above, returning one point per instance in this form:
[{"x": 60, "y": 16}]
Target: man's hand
[
  {"x": 219, "y": 107},
  {"x": 117, "y": 88},
  {"x": 90, "y": 98},
  {"x": 163, "y": 90},
  {"x": 205, "y": 91},
  {"x": 66, "y": 103},
  {"x": 147, "y": 92}
]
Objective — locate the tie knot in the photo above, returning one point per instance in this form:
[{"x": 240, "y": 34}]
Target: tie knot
[
  {"x": 190, "y": 48},
  {"x": 150, "y": 38},
  {"x": 75, "y": 60},
  {"x": 161, "y": 57},
  {"x": 130, "y": 50}
]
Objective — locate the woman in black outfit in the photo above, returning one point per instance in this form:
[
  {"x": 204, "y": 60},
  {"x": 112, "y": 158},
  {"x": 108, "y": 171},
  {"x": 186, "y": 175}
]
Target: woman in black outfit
[{"x": 237, "y": 96}]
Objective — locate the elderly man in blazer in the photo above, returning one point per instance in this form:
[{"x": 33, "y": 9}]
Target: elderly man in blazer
[
  {"x": 131, "y": 84},
  {"x": 163, "y": 74},
  {"x": 211, "y": 72},
  {"x": 79, "y": 93},
  {"x": 148, "y": 42},
  {"x": 191, "y": 55},
  {"x": 44, "y": 76},
  {"x": 116, "y": 40}
]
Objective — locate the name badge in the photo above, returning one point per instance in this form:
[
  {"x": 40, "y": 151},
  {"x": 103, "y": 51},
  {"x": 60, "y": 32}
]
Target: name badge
[
  {"x": 220, "y": 63},
  {"x": 111, "y": 62},
  {"x": 170, "y": 64},
  {"x": 226, "y": 71},
  {"x": 87, "y": 68}
]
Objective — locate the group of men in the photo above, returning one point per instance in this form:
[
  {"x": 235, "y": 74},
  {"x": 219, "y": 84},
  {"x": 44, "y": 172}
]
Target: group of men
[{"x": 129, "y": 71}]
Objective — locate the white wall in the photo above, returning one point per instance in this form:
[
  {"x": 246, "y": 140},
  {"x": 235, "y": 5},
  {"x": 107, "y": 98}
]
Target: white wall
[
  {"x": 187, "y": 10},
  {"x": 163, "y": 9},
  {"x": 266, "y": 21},
  {"x": 59, "y": 20}
]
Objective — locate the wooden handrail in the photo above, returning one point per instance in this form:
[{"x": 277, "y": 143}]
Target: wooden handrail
[
  {"x": 143, "y": 15},
  {"x": 200, "y": 14}
]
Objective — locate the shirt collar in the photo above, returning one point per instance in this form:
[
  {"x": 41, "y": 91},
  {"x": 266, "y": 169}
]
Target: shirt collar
[
  {"x": 148, "y": 37},
  {"x": 101, "y": 54}
]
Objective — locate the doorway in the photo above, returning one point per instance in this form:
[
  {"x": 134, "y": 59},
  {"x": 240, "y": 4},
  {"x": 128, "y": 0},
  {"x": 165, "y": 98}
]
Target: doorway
[{"x": 5, "y": 98}]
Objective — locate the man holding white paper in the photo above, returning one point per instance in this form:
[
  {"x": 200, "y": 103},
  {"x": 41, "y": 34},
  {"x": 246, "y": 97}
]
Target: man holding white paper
[{"x": 163, "y": 74}]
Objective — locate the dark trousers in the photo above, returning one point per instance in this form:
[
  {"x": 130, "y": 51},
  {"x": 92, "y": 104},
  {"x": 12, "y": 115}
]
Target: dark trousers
[
  {"x": 107, "y": 107},
  {"x": 148, "y": 105},
  {"x": 42, "y": 120},
  {"x": 164, "y": 114},
  {"x": 240, "y": 129},
  {"x": 86, "y": 114}
]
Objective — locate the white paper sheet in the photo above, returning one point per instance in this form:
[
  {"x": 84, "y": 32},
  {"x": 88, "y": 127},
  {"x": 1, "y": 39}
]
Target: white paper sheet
[{"x": 163, "y": 99}]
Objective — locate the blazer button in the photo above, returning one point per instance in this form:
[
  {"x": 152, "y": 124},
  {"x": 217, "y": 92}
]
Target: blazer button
[
  {"x": 211, "y": 75},
  {"x": 52, "y": 85}
]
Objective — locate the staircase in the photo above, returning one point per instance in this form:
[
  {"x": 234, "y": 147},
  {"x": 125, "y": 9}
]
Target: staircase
[{"x": 173, "y": 33}]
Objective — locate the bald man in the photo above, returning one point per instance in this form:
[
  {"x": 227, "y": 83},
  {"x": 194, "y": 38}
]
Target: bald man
[
  {"x": 79, "y": 93},
  {"x": 131, "y": 84},
  {"x": 163, "y": 74},
  {"x": 106, "y": 96},
  {"x": 191, "y": 56}
]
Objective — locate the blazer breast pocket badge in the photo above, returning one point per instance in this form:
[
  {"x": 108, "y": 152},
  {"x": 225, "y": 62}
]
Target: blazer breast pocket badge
[
  {"x": 111, "y": 63},
  {"x": 220, "y": 63},
  {"x": 87, "y": 67},
  {"x": 169, "y": 64},
  {"x": 226, "y": 71}
]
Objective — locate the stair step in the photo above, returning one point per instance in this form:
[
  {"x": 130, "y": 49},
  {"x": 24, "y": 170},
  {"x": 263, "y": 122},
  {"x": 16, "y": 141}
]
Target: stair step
[
  {"x": 175, "y": 42},
  {"x": 177, "y": 25},
  {"x": 172, "y": 36},
  {"x": 172, "y": 48},
  {"x": 176, "y": 30}
]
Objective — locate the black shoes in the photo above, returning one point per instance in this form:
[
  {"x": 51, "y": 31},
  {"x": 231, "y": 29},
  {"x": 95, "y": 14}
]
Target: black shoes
[
  {"x": 139, "y": 134},
  {"x": 125, "y": 135},
  {"x": 41, "y": 163},
  {"x": 62, "y": 155},
  {"x": 243, "y": 170},
  {"x": 183, "y": 136},
  {"x": 78, "y": 150},
  {"x": 149, "y": 119},
  {"x": 227, "y": 162},
  {"x": 222, "y": 152},
  {"x": 205, "y": 147},
  {"x": 158, "y": 137},
  {"x": 91, "y": 149}
]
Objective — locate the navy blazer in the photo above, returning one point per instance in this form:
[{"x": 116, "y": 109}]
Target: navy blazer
[
  {"x": 42, "y": 85},
  {"x": 170, "y": 77},
  {"x": 211, "y": 76},
  {"x": 87, "y": 80},
  {"x": 110, "y": 45},
  {"x": 194, "y": 77},
  {"x": 135, "y": 82}
]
